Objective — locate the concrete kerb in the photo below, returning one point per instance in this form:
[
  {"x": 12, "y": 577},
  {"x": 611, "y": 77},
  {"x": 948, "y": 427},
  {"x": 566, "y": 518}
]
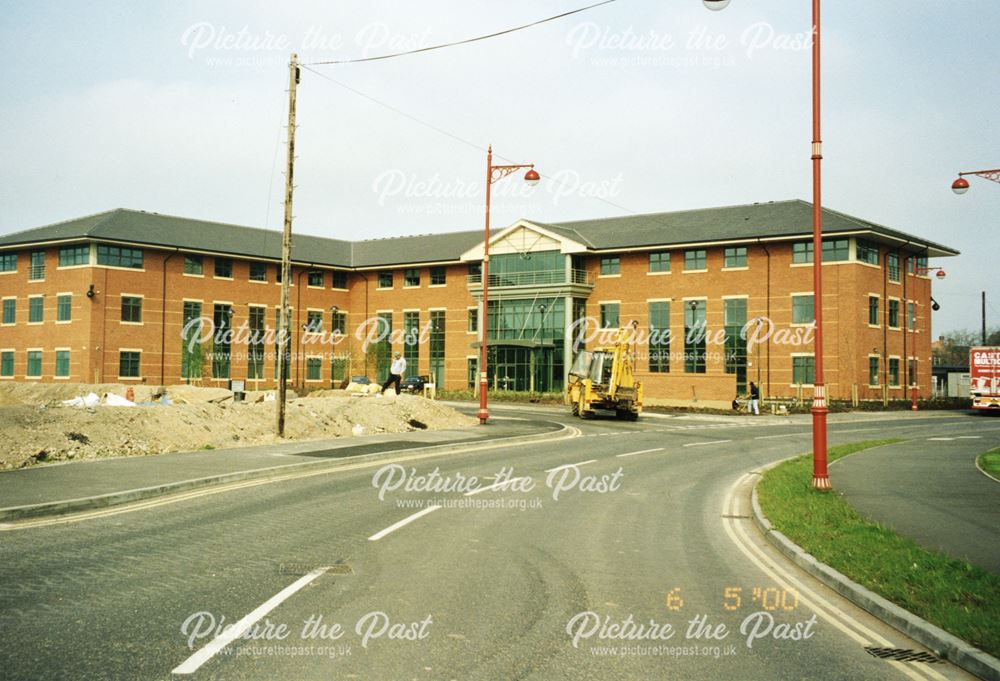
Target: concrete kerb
[
  {"x": 100, "y": 501},
  {"x": 944, "y": 645}
]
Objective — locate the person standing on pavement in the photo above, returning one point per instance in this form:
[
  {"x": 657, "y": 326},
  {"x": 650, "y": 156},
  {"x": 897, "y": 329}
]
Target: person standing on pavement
[
  {"x": 396, "y": 372},
  {"x": 754, "y": 399}
]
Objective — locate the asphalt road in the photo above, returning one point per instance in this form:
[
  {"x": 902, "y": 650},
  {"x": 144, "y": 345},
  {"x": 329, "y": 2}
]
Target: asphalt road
[{"x": 645, "y": 566}]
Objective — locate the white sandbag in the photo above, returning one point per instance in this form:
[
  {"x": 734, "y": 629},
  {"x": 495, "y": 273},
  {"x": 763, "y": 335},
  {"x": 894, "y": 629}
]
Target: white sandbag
[{"x": 113, "y": 400}]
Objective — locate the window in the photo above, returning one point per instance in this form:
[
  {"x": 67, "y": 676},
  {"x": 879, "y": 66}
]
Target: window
[
  {"x": 911, "y": 371},
  {"x": 37, "y": 270},
  {"x": 893, "y": 314},
  {"x": 314, "y": 321},
  {"x": 411, "y": 277},
  {"x": 736, "y": 257},
  {"x": 338, "y": 369},
  {"x": 867, "y": 252},
  {"x": 611, "y": 264},
  {"x": 277, "y": 273},
  {"x": 9, "y": 310},
  {"x": 873, "y": 314},
  {"x": 411, "y": 340},
  {"x": 836, "y": 250},
  {"x": 735, "y": 319},
  {"x": 911, "y": 316},
  {"x": 873, "y": 371},
  {"x": 36, "y": 309},
  {"x": 223, "y": 268},
  {"x": 473, "y": 320},
  {"x": 694, "y": 337},
  {"x": 438, "y": 276},
  {"x": 803, "y": 370},
  {"x": 8, "y": 262},
  {"x": 255, "y": 344},
  {"x": 132, "y": 309},
  {"x": 192, "y": 357},
  {"x": 802, "y": 252},
  {"x": 62, "y": 363},
  {"x": 894, "y": 372},
  {"x": 7, "y": 363},
  {"x": 920, "y": 262},
  {"x": 339, "y": 279},
  {"x": 64, "y": 307},
  {"x": 894, "y": 267},
  {"x": 695, "y": 260},
  {"x": 659, "y": 337},
  {"x": 316, "y": 279},
  {"x": 34, "y": 363},
  {"x": 117, "y": 256},
  {"x": 475, "y": 270},
  {"x": 609, "y": 315},
  {"x": 385, "y": 279},
  {"x": 129, "y": 363},
  {"x": 472, "y": 372},
  {"x": 659, "y": 261},
  {"x": 258, "y": 271},
  {"x": 74, "y": 255},
  {"x": 338, "y": 323},
  {"x": 314, "y": 368},
  {"x": 383, "y": 346},
  {"x": 802, "y": 309},
  {"x": 437, "y": 347},
  {"x": 194, "y": 265},
  {"x": 222, "y": 320}
]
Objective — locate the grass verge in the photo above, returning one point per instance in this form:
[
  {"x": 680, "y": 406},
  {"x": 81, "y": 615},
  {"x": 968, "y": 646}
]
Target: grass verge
[
  {"x": 953, "y": 594},
  {"x": 990, "y": 462}
]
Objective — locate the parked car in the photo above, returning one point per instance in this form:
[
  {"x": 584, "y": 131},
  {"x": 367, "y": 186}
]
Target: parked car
[{"x": 414, "y": 384}]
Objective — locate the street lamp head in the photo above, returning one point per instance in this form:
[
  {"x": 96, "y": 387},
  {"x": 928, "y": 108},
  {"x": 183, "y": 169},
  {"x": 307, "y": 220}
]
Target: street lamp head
[
  {"x": 532, "y": 177},
  {"x": 940, "y": 274},
  {"x": 715, "y": 5},
  {"x": 960, "y": 186}
]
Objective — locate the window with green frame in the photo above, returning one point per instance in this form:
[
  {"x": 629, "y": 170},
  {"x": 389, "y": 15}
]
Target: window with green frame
[
  {"x": 62, "y": 363},
  {"x": 611, "y": 264},
  {"x": 893, "y": 267},
  {"x": 659, "y": 261},
  {"x": 736, "y": 256},
  {"x": 894, "y": 372},
  {"x": 473, "y": 320},
  {"x": 411, "y": 277},
  {"x": 803, "y": 370},
  {"x": 439, "y": 276},
  {"x": 338, "y": 369},
  {"x": 867, "y": 251},
  {"x": 695, "y": 260},
  {"x": 314, "y": 321},
  {"x": 609, "y": 315},
  {"x": 695, "y": 357},
  {"x": 316, "y": 279},
  {"x": 7, "y": 363},
  {"x": 873, "y": 371},
  {"x": 191, "y": 347},
  {"x": 836, "y": 250},
  {"x": 129, "y": 363},
  {"x": 194, "y": 264},
  {"x": 803, "y": 311},
  {"x": 119, "y": 256},
  {"x": 383, "y": 348},
  {"x": 8, "y": 262},
  {"x": 735, "y": 318},
  {"x": 338, "y": 323},
  {"x": 258, "y": 271},
  {"x": 222, "y": 319},
  {"x": 314, "y": 368},
  {"x": 893, "y": 314},
  {"x": 411, "y": 340},
  {"x": 9, "y": 310},
  {"x": 802, "y": 252},
  {"x": 911, "y": 316},
  {"x": 64, "y": 307},
  {"x": 659, "y": 337},
  {"x": 223, "y": 268},
  {"x": 873, "y": 311},
  {"x": 385, "y": 279},
  {"x": 339, "y": 279},
  {"x": 472, "y": 372},
  {"x": 437, "y": 347},
  {"x": 70, "y": 256},
  {"x": 36, "y": 309},
  {"x": 255, "y": 343},
  {"x": 34, "y": 363},
  {"x": 132, "y": 309}
]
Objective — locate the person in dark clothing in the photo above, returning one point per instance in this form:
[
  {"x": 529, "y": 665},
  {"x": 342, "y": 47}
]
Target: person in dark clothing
[
  {"x": 754, "y": 398},
  {"x": 395, "y": 373}
]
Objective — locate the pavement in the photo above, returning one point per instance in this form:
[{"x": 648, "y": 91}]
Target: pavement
[
  {"x": 929, "y": 490},
  {"x": 450, "y": 582}
]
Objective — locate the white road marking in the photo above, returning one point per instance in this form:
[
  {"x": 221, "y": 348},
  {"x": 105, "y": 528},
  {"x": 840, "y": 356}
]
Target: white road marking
[
  {"x": 495, "y": 486},
  {"x": 567, "y": 465},
  {"x": 699, "y": 444},
  {"x": 405, "y": 521},
  {"x": 940, "y": 439},
  {"x": 191, "y": 665},
  {"x": 644, "y": 451},
  {"x": 970, "y": 437},
  {"x": 768, "y": 437}
]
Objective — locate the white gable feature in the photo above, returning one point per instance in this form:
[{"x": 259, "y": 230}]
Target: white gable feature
[{"x": 524, "y": 237}]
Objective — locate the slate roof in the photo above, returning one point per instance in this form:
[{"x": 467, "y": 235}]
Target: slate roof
[{"x": 782, "y": 219}]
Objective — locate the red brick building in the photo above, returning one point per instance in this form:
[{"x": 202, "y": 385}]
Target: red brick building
[{"x": 108, "y": 297}]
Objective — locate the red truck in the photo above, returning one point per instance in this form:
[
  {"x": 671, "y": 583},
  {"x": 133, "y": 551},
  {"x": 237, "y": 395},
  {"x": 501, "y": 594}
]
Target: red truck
[{"x": 984, "y": 377}]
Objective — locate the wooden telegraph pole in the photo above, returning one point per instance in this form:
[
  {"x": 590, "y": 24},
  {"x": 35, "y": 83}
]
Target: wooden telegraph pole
[{"x": 285, "y": 323}]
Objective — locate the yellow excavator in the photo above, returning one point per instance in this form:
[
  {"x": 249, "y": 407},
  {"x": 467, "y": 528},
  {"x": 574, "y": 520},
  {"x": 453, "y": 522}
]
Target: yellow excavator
[{"x": 604, "y": 379}]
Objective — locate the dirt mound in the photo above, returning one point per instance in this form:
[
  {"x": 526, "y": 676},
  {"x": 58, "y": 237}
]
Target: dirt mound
[{"x": 34, "y": 427}]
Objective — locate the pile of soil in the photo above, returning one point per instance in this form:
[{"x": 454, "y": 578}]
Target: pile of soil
[{"x": 35, "y": 427}]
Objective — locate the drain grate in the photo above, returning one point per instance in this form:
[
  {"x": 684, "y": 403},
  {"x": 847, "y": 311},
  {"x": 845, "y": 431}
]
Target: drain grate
[{"x": 902, "y": 655}]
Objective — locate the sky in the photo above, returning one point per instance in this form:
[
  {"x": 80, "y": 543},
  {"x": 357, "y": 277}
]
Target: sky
[{"x": 636, "y": 106}]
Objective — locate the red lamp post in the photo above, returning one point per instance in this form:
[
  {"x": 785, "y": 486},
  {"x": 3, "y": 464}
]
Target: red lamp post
[
  {"x": 961, "y": 185},
  {"x": 493, "y": 174},
  {"x": 821, "y": 477}
]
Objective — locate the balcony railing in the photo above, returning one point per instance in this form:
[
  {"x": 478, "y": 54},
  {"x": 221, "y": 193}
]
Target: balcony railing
[
  {"x": 36, "y": 272},
  {"x": 535, "y": 278}
]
